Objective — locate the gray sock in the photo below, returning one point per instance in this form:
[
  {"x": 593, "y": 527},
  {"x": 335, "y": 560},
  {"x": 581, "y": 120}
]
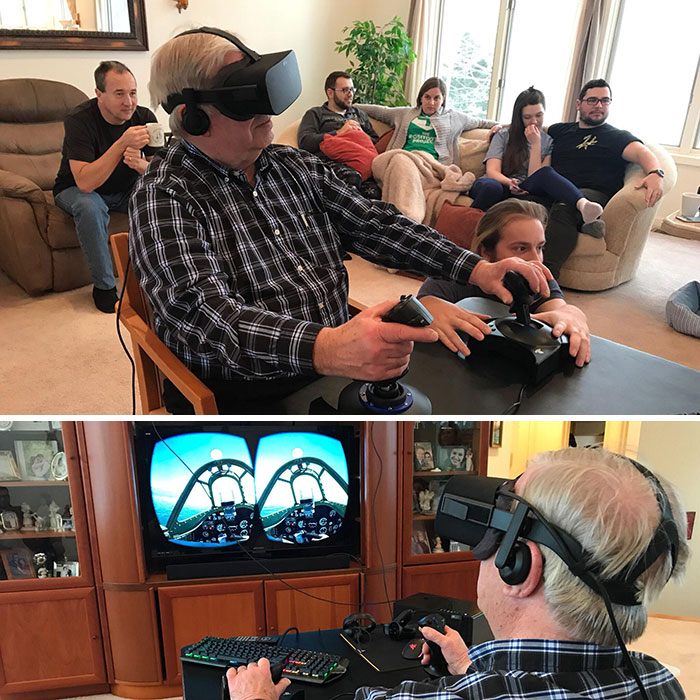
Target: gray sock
[{"x": 594, "y": 228}]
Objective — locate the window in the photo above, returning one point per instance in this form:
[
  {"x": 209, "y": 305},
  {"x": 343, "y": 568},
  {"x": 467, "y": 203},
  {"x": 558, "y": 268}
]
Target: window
[
  {"x": 653, "y": 69},
  {"x": 489, "y": 52}
]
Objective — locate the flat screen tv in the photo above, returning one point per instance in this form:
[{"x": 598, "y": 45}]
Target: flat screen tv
[{"x": 238, "y": 498}]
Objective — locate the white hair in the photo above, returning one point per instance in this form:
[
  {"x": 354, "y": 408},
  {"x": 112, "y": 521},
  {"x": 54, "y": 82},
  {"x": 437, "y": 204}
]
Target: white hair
[
  {"x": 603, "y": 501},
  {"x": 189, "y": 61}
]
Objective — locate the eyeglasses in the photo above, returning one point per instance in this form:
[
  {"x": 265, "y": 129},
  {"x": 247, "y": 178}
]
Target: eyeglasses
[
  {"x": 346, "y": 90},
  {"x": 595, "y": 100}
]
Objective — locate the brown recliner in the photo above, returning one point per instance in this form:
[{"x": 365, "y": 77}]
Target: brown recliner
[{"x": 38, "y": 246}]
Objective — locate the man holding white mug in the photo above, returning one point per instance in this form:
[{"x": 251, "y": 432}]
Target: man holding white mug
[{"x": 109, "y": 141}]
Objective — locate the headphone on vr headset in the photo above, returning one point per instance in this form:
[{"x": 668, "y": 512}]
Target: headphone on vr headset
[
  {"x": 272, "y": 85},
  {"x": 514, "y": 560},
  {"x": 399, "y": 627},
  {"x": 359, "y": 626}
]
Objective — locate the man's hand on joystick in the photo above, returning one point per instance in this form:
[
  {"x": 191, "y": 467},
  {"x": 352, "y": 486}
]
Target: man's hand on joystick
[
  {"x": 365, "y": 348},
  {"x": 489, "y": 277},
  {"x": 436, "y": 665},
  {"x": 452, "y": 648}
]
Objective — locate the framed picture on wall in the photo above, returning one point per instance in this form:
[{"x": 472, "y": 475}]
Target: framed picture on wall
[{"x": 496, "y": 437}]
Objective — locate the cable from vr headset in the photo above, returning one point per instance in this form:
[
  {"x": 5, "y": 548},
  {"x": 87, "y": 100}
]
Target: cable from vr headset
[
  {"x": 590, "y": 577},
  {"x": 121, "y": 339}
]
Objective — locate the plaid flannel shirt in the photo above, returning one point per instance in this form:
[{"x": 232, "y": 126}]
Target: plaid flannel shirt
[
  {"x": 242, "y": 278},
  {"x": 540, "y": 668}
]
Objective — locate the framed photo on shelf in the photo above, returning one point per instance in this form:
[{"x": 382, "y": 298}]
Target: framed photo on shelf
[
  {"x": 420, "y": 544},
  {"x": 59, "y": 467},
  {"x": 455, "y": 458},
  {"x": 34, "y": 458},
  {"x": 8, "y": 467},
  {"x": 423, "y": 457},
  {"x": 66, "y": 569},
  {"x": 17, "y": 563},
  {"x": 496, "y": 437}
]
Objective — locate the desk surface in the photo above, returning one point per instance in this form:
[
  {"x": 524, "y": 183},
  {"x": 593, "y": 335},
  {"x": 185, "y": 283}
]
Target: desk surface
[{"x": 619, "y": 381}]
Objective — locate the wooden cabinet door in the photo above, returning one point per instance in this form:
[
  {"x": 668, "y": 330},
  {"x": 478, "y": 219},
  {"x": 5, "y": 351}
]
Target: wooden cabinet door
[
  {"x": 452, "y": 579},
  {"x": 50, "y": 639},
  {"x": 190, "y": 612},
  {"x": 335, "y": 597}
]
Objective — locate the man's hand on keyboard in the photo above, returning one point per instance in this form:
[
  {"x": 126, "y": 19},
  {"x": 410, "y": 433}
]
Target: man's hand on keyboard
[{"x": 253, "y": 682}]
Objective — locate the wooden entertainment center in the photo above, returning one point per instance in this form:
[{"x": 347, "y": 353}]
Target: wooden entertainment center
[{"x": 116, "y": 628}]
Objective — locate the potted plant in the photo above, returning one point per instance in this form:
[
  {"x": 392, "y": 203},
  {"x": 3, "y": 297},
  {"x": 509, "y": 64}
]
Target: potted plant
[{"x": 381, "y": 56}]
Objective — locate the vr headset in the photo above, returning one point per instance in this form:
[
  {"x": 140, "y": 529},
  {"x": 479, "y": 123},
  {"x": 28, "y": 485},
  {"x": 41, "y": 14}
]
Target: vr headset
[
  {"x": 256, "y": 84},
  {"x": 488, "y": 515}
]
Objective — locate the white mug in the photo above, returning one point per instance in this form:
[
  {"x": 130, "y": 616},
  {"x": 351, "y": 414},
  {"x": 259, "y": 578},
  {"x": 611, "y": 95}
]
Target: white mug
[
  {"x": 690, "y": 202},
  {"x": 156, "y": 135}
]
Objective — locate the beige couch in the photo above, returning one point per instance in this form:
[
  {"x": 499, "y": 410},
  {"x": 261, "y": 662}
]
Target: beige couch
[
  {"x": 38, "y": 246},
  {"x": 596, "y": 263}
]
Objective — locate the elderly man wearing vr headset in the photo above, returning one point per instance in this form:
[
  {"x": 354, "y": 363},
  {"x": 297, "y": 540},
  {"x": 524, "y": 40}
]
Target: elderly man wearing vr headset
[
  {"x": 238, "y": 243},
  {"x": 572, "y": 553}
]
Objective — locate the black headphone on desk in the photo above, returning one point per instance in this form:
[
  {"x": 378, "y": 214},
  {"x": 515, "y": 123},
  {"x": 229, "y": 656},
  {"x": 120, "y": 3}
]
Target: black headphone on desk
[
  {"x": 399, "y": 627},
  {"x": 359, "y": 626}
]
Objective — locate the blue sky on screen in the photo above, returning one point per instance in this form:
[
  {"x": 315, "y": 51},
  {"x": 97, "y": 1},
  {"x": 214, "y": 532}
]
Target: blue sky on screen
[
  {"x": 278, "y": 449},
  {"x": 169, "y": 476}
]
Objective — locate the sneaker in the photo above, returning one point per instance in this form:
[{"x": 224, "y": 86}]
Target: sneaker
[{"x": 105, "y": 299}]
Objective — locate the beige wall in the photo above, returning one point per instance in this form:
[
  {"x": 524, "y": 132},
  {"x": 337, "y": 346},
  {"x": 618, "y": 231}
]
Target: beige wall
[
  {"x": 672, "y": 448},
  {"x": 310, "y": 27}
]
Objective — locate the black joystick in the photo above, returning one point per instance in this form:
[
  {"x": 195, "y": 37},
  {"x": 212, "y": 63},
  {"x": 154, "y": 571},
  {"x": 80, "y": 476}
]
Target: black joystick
[
  {"x": 437, "y": 666},
  {"x": 389, "y": 396},
  {"x": 522, "y": 328}
]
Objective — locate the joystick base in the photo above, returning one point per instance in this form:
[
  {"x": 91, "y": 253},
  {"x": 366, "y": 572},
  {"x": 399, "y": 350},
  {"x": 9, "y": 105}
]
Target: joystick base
[{"x": 365, "y": 397}]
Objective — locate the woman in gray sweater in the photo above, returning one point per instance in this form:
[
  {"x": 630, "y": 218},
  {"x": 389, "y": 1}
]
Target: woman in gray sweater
[{"x": 428, "y": 126}]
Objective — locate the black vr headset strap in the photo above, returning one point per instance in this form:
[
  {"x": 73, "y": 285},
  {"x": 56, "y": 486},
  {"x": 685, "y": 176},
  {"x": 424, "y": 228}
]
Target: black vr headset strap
[{"x": 252, "y": 55}]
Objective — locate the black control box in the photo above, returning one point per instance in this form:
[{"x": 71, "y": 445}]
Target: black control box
[{"x": 462, "y": 615}]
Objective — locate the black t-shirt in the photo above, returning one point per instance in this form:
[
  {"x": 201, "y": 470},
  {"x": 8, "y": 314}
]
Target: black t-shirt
[
  {"x": 89, "y": 136},
  {"x": 591, "y": 157}
]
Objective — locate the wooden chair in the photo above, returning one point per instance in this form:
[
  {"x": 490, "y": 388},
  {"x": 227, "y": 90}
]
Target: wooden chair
[{"x": 154, "y": 361}]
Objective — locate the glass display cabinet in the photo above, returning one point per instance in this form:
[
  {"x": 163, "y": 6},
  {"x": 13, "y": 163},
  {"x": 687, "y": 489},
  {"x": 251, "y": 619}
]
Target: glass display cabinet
[
  {"x": 39, "y": 487},
  {"x": 433, "y": 453}
]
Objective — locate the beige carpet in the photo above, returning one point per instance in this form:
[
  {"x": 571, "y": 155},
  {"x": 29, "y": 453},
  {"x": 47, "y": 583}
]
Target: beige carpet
[{"x": 62, "y": 356}]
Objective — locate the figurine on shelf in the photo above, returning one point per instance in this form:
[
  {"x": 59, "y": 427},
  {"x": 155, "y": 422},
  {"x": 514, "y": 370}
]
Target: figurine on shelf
[
  {"x": 469, "y": 460},
  {"x": 425, "y": 499},
  {"x": 437, "y": 549},
  {"x": 27, "y": 518},
  {"x": 40, "y": 522},
  {"x": 55, "y": 519},
  {"x": 41, "y": 561}
]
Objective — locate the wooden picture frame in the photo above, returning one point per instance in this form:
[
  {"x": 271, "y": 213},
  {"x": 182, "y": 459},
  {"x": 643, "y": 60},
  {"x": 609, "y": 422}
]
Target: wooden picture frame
[
  {"x": 496, "y": 433},
  {"x": 18, "y": 563}
]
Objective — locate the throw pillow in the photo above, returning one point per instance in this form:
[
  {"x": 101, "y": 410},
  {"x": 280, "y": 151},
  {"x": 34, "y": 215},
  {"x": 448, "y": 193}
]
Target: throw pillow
[
  {"x": 458, "y": 223},
  {"x": 471, "y": 155},
  {"x": 384, "y": 141},
  {"x": 353, "y": 148}
]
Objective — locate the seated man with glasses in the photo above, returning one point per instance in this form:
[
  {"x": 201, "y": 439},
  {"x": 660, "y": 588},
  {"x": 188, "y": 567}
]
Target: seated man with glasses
[
  {"x": 593, "y": 155},
  {"x": 338, "y": 117}
]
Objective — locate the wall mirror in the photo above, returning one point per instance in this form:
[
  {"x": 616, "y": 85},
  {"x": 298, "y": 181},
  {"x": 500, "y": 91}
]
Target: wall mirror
[{"x": 73, "y": 24}]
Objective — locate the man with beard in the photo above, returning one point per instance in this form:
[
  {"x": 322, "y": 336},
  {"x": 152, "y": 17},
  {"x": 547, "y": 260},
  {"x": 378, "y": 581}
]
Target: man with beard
[
  {"x": 337, "y": 116},
  {"x": 593, "y": 155}
]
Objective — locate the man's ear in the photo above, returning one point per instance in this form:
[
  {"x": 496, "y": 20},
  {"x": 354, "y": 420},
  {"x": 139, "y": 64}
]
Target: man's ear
[
  {"x": 534, "y": 577},
  {"x": 578, "y": 105}
]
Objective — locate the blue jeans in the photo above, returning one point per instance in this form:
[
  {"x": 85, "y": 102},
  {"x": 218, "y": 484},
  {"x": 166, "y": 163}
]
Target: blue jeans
[
  {"x": 545, "y": 182},
  {"x": 91, "y": 214}
]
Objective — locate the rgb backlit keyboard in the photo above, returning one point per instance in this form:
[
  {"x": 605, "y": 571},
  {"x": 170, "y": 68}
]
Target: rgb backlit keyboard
[{"x": 299, "y": 664}]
